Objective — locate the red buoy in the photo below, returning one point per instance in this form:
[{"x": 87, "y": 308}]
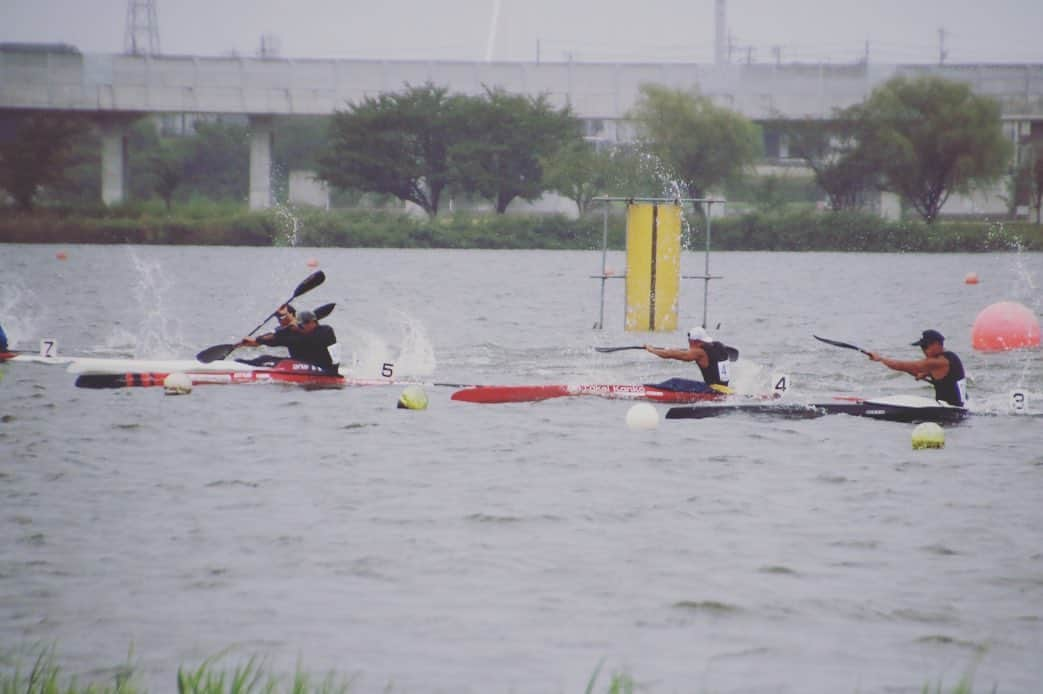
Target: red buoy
[
  {"x": 1004, "y": 326},
  {"x": 312, "y": 262},
  {"x": 971, "y": 278}
]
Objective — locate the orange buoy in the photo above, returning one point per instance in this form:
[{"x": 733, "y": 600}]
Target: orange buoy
[
  {"x": 971, "y": 278},
  {"x": 61, "y": 255},
  {"x": 312, "y": 262},
  {"x": 1004, "y": 326}
]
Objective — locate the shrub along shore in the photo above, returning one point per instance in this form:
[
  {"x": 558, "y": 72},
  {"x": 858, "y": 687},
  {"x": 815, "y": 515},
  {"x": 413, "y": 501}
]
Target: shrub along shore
[{"x": 223, "y": 225}]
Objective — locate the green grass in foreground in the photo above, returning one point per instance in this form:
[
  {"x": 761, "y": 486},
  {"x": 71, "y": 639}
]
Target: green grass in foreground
[{"x": 45, "y": 676}]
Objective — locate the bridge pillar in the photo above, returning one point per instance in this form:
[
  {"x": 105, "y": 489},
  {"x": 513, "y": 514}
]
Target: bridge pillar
[
  {"x": 260, "y": 162},
  {"x": 113, "y": 160}
]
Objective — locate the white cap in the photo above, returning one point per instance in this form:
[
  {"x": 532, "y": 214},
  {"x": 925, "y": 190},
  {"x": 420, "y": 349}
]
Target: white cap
[{"x": 699, "y": 333}]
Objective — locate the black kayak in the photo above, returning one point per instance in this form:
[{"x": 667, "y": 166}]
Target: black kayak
[{"x": 901, "y": 408}]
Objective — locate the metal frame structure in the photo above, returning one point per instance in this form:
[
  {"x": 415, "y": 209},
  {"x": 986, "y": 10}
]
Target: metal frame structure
[{"x": 707, "y": 204}]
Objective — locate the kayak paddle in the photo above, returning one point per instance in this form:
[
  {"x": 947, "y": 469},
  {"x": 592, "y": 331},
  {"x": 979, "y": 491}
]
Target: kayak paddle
[
  {"x": 837, "y": 343},
  {"x": 222, "y": 351},
  {"x": 733, "y": 354}
]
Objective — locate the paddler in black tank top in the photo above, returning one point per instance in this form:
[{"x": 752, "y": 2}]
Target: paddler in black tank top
[
  {"x": 710, "y": 356},
  {"x": 939, "y": 366}
]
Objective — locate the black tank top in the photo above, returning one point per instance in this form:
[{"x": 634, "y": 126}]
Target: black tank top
[
  {"x": 712, "y": 372},
  {"x": 951, "y": 388}
]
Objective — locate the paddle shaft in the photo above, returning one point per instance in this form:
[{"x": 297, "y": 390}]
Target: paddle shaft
[
  {"x": 311, "y": 282},
  {"x": 838, "y": 343},
  {"x": 733, "y": 354}
]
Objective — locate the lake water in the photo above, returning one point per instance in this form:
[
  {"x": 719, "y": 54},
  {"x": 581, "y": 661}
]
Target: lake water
[{"x": 513, "y": 548}]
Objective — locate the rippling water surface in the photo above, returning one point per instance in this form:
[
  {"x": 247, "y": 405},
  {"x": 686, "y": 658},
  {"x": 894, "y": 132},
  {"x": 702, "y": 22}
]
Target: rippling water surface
[{"x": 513, "y": 548}]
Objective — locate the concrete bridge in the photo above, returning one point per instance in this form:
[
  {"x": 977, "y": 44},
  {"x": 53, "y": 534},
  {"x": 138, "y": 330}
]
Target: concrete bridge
[{"x": 115, "y": 89}]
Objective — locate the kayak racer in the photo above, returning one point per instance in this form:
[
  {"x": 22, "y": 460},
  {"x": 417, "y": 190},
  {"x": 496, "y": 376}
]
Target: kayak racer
[
  {"x": 307, "y": 341},
  {"x": 939, "y": 366},
  {"x": 709, "y": 355}
]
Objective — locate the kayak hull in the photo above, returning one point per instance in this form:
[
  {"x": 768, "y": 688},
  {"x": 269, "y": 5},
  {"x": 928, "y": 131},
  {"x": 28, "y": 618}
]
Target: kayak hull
[
  {"x": 287, "y": 372},
  {"x": 907, "y": 409},
  {"x": 535, "y": 393}
]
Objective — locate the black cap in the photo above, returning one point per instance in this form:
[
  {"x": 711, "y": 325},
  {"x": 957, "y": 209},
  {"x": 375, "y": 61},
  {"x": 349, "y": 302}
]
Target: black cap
[
  {"x": 928, "y": 337},
  {"x": 305, "y": 316}
]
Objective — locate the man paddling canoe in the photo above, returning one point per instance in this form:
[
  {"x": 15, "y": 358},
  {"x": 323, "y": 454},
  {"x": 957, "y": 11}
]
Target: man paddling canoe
[
  {"x": 939, "y": 366},
  {"x": 3, "y": 339},
  {"x": 307, "y": 341},
  {"x": 287, "y": 317},
  {"x": 710, "y": 356}
]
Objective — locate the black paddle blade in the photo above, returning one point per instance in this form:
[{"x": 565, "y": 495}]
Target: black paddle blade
[
  {"x": 310, "y": 282},
  {"x": 323, "y": 311},
  {"x": 733, "y": 354},
  {"x": 617, "y": 349},
  {"x": 838, "y": 343},
  {"x": 215, "y": 353}
]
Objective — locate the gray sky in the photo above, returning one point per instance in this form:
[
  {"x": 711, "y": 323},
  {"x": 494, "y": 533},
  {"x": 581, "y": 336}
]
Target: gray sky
[{"x": 590, "y": 30}]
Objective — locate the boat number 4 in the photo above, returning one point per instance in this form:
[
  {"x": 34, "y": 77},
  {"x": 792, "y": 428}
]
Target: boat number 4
[
  {"x": 387, "y": 369},
  {"x": 780, "y": 384},
  {"x": 48, "y": 348}
]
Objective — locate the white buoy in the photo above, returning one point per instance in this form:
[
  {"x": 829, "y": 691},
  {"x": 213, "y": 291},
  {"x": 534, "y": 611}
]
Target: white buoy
[
  {"x": 928, "y": 435},
  {"x": 642, "y": 416},
  {"x": 177, "y": 384},
  {"x": 413, "y": 398}
]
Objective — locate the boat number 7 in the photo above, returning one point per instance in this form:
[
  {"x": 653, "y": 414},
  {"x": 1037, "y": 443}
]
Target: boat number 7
[
  {"x": 386, "y": 369},
  {"x": 48, "y": 348}
]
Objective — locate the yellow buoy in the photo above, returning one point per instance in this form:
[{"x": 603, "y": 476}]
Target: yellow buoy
[
  {"x": 412, "y": 398},
  {"x": 177, "y": 384},
  {"x": 928, "y": 435}
]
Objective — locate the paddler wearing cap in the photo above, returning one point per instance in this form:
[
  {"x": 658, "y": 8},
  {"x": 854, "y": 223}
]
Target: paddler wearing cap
[
  {"x": 709, "y": 355},
  {"x": 307, "y": 341},
  {"x": 939, "y": 366}
]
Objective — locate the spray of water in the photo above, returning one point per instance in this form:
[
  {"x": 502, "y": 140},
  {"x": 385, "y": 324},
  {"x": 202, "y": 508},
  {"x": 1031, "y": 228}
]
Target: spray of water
[{"x": 155, "y": 332}]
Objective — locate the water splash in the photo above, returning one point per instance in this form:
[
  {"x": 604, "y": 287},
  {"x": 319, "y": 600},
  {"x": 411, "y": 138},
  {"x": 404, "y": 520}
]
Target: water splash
[
  {"x": 156, "y": 332},
  {"x": 288, "y": 223},
  {"x": 373, "y": 356}
]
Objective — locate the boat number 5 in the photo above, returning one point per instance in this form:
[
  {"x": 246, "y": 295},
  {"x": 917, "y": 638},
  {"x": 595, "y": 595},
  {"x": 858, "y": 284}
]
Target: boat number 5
[{"x": 387, "y": 369}]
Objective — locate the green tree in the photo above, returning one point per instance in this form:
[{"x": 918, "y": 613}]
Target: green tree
[
  {"x": 831, "y": 150},
  {"x": 217, "y": 161},
  {"x": 34, "y": 152},
  {"x": 579, "y": 171},
  {"x": 395, "y": 144},
  {"x": 1034, "y": 169},
  {"x": 930, "y": 137},
  {"x": 167, "y": 169},
  {"x": 508, "y": 138},
  {"x": 701, "y": 145}
]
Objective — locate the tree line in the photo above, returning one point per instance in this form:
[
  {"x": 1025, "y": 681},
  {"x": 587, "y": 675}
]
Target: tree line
[{"x": 923, "y": 139}]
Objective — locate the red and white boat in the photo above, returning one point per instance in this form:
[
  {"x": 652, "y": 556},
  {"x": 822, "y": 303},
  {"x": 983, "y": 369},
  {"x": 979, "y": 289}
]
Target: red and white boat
[{"x": 134, "y": 373}]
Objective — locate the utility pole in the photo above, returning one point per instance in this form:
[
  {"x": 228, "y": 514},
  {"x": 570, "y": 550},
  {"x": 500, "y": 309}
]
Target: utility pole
[
  {"x": 942, "y": 53},
  {"x": 141, "y": 32}
]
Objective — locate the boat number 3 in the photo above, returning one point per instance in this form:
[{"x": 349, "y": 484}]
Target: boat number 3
[
  {"x": 48, "y": 348},
  {"x": 1018, "y": 401},
  {"x": 387, "y": 369}
]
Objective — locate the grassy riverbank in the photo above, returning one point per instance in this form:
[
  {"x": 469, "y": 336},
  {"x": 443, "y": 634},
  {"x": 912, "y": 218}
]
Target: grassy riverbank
[
  {"x": 37, "y": 672},
  {"x": 230, "y": 225}
]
